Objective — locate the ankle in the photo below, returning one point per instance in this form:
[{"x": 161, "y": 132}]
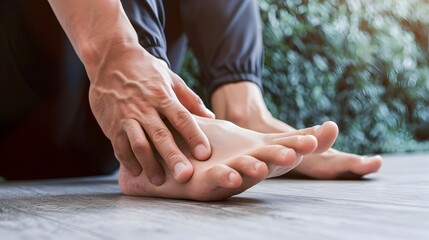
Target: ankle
[
  {"x": 248, "y": 117},
  {"x": 241, "y": 103}
]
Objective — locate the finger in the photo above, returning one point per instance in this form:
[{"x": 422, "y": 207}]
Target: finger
[
  {"x": 163, "y": 141},
  {"x": 300, "y": 144},
  {"x": 125, "y": 155},
  {"x": 143, "y": 152},
  {"x": 185, "y": 124},
  {"x": 189, "y": 99}
]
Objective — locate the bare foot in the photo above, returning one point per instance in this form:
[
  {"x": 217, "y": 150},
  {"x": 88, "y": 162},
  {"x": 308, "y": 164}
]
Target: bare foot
[
  {"x": 240, "y": 159},
  {"x": 331, "y": 164},
  {"x": 243, "y": 104}
]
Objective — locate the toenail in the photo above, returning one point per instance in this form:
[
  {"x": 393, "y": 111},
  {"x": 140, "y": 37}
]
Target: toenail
[
  {"x": 179, "y": 168},
  {"x": 317, "y": 128},
  {"x": 156, "y": 180},
  {"x": 257, "y": 165},
  {"x": 298, "y": 159},
  {"x": 232, "y": 177},
  {"x": 285, "y": 152},
  {"x": 301, "y": 139},
  {"x": 200, "y": 151}
]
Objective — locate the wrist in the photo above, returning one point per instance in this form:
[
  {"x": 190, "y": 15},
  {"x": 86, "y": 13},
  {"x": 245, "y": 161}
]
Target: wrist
[
  {"x": 115, "y": 56},
  {"x": 93, "y": 53}
]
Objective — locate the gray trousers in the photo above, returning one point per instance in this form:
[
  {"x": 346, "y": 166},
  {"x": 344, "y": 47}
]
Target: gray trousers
[{"x": 46, "y": 127}]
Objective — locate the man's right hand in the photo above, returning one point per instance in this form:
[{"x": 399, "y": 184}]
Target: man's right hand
[
  {"x": 131, "y": 91},
  {"x": 130, "y": 94}
]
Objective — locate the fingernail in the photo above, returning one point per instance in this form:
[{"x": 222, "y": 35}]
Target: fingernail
[
  {"x": 257, "y": 165},
  {"x": 232, "y": 176},
  {"x": 156, "y": 180},
  {"x": 212, "y": 115},
  {"x": 200, "y": 151},
  {"x": 179, "y": 168}
]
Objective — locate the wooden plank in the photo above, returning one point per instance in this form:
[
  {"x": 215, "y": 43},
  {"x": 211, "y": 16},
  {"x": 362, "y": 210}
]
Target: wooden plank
[
  {"x": 393, "y": 205},
  {"x": 18, "y": 225}
]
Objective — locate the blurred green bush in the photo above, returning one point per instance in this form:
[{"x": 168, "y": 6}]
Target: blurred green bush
[{"x": 361, "y": 63}]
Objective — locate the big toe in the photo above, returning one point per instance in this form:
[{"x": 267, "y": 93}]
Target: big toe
[
  {"x": 326, "y": 135},
  {"x": 366, "y": 165},
  {"x": 301, "y": 144}
]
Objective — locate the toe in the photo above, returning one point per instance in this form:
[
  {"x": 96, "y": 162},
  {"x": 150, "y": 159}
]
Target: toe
[
  {"x": 222, "y": 176},
  {"x": 333, "y": 164},
  {"x": 365, "y": 165},
  {"x": 276, "y": 154},
  {"x": 301, "y": 144},
  {"x": 326, "y": 134},
  {"x": 250, "y": 167}
]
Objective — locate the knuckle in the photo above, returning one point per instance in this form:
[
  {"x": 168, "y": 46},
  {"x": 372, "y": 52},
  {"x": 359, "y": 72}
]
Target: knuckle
[
  {"x": 120, "y": 156},
  {"x": 198, "y": 99},
  {"x": 182, "y": 119},
  {"x": 139, "y": 145},
  {"x": 162, "y": 95},
  {"x": 172, "y": 157},
  {"x": 158, "y": 91},
  {"x": 160, "y": 135},
  {"x": 196, "y": 103}
]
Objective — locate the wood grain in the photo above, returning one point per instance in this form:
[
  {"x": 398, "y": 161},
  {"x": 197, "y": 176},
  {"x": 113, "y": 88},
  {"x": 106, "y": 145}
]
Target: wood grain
[{"x": 393, "y": 204}]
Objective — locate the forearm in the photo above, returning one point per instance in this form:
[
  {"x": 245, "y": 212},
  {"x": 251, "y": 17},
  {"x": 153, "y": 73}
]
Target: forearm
[{"x": 93, "y": 26}]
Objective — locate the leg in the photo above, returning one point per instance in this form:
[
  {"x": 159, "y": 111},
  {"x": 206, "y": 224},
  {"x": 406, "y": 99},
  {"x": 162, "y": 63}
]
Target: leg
[
  {"x": 47, "y": 128},
  {"x": 226, "y": 42},
  {"x": 230, "y": 55},
  {"x": 237, "y": 102}
]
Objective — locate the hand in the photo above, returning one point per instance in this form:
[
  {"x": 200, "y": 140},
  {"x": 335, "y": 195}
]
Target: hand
[{"x": 130, "y": 93}]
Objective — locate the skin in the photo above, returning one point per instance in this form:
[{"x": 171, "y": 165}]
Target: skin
[
  {"x": 132, "y": 91},
  {"x": 240, "y": 159},
  {"x": 136, "y": 100},
  {"x": 242, "y": 103}
]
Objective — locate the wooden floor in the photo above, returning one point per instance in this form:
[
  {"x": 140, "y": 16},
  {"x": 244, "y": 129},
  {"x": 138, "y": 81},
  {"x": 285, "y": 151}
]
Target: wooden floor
[{"x": 393, "y": 204}]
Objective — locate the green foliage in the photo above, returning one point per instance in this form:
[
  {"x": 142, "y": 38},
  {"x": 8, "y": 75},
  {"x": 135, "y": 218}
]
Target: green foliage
[{"x": 361, "y": 63}]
